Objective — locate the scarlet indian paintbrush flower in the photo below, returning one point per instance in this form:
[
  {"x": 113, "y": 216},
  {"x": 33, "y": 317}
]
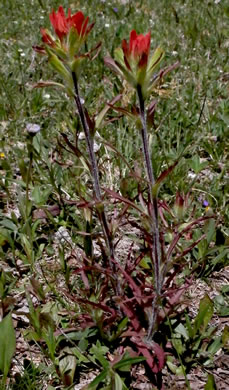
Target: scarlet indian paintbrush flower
[
  {"x": 71, "y": 28},
  {"x": 138, "y": 49},
  {"x": 63, "y": 48},
  {"x": 133, "y": 62}
]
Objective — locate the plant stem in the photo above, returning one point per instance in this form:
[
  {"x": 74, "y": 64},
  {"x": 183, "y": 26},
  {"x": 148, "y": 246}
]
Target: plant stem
[
  {"x": 94, "y": 173},
  {"x": 153, "y": 213},
  {"x": 28, "y": 179}
]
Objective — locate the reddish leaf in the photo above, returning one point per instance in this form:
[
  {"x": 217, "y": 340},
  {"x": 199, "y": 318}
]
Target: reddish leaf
[
  {"x": 186, "y": 229},
  {"x": 164, "y": 174},
  {"x": 130, "y": 313},
  {"x": 54, "y": 210},
  {"x": 115, "y": 195},
  {"x": 136, "y": 290},
  {"x": 157, "y": 364}
]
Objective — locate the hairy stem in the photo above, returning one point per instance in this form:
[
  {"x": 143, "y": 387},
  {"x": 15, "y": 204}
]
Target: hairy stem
[
  {"x": 153, "y": 213},
  {"x": 28, "y": 179},
  {"x": 94, "y": 173}
]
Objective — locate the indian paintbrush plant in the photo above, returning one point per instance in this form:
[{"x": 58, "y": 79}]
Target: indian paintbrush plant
[
  {"x": 144, "y": 301},
  {"x": 129, "y": 302}
]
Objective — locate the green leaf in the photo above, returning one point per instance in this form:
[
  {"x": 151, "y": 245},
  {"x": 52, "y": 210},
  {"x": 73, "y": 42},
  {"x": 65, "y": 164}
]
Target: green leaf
[
  {"x": 218, "y": 258},
  {"x": 171, "y": 365},
  {"x": 126, "y": 363},
  {"x": 215, "y": 346},
  {"x": 80, "y": 356},
  {"x": 102, "y": 113},
  {"x": 206, "y": 309},
  {"x": 7, "y": 344},
  {"x": 197, "y": 165},
  {"x": 40, "y": 194},
  {"x": 67, "y": 366},
  {"x": 123, "y": 324},
  {"x": 98, "y": 379},
  {"x": 83, "y": 344},
  {"x": 210, "y": 230},
  {"x": 58, "y": 65},
  {"x": 225, "y": 337},
  {"x": 225, "y": 289},
  {"x": 98, "y": 351},
  {"x": 155, "y": 60},
  {"x": 4, "y": 237},
  {"x": 7, "y": 223},
  {"x": 182, "y": 331},
  {"x": 118, "y": 382},
  {"x": 210, "y": 385},
  {"x": 178, "y": 345},
  {"x": 23, "y": 169}
]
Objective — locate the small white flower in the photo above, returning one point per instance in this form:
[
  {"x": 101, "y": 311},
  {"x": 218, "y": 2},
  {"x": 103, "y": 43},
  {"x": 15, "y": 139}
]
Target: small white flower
[
  {"x": 46, "y": 96},
  {"x": 96, "y": 147},
  {"x": 107, "y": 25},
  {"x": 217, "y": 1},
  {"x": 81, "y": 136},
  {"x": 33, "y": 128},
  {"x": 192, "y": 175}
]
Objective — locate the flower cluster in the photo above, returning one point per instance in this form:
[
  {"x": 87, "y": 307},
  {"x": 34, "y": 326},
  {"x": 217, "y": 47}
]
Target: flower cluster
[
  {"x": 133, "y": 62},
  {"x": 137, "y": 52},
  {"x": 74, "y": 26}
]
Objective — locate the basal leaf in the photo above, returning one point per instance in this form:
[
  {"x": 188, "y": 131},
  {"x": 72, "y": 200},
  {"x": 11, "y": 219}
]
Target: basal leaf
[
  {"x": 118, "y": 382},
  {"x": 205, "y": 313},
  {"x": 225, "y": 337},
  {"x": 127, "y": 362},
  {"x": 210, "y": 385},
  {"x": 98, "y": 379},
  {"x": 67, "y": 366},
  {"x": 7, "y": 344}
]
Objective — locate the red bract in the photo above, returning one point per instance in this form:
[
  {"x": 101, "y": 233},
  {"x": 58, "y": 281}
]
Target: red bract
[
  {"x": 59, "y": 22},
  {"x": 138, "y": 48},
  {"x": 63, "y": 24},
  {"x": 46, "y": 37}
]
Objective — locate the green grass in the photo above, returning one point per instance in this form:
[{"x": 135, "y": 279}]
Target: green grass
[{"x": 191, "y": 125}]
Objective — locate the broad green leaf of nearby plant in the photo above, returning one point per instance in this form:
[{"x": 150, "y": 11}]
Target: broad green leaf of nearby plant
[
  {"x": 221, "y": 306},
  {"x": 205, "y": 313},
  {"x": 7, "y": 344},
  {"x": 210, "y": 385},
  {"x": 196, "y": 165},
  {"x": 98, "y": 351},
  {"x": 119, "y": 385},
  {"x": 225, "y": 337},
  {"x": 93, "y": 385},
  {"x": 215, "y": 346},
  {"x": 67, "y": 365},
  {"x": 125, "y": 363}
]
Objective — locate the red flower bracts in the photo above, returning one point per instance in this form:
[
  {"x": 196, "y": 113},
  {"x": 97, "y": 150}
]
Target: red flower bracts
[
  {"x": 138, "y": 49},
  {"x": 63, "y": 25},
  {"x": 133, "y": 62},
  {"x": 60, "y": 22},
  {"x": 63, "y": 47}
]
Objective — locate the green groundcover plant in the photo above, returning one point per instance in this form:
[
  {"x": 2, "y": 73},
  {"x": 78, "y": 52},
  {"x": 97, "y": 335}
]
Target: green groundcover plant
[{"x": 126, "y": 307}]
